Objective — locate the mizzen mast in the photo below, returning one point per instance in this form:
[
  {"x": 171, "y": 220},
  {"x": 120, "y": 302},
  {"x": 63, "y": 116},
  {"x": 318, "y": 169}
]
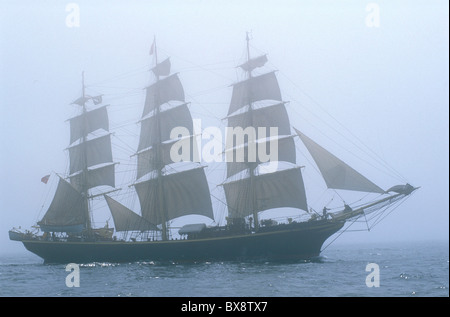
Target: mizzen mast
[{"x": 90, "y": 165}]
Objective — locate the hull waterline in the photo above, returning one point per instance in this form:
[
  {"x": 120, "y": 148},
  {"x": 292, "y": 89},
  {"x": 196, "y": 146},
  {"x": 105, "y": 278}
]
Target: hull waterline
[{"x": 301, "y": 243}]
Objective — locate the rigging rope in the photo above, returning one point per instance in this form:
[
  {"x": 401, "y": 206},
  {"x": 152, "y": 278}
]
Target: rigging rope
[
  {"x": 377, "y": 158},
  {"x": 382, "y": 208}
]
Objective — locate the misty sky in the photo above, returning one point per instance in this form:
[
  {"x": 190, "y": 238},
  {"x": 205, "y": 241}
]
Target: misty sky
[{"x": 387, "y": 84}]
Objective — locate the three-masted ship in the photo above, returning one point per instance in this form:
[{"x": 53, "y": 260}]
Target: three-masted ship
[{"x": 169, "y": 189}]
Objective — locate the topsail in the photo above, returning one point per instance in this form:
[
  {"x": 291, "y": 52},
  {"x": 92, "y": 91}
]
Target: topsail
[
  {"x": 163, "y": 91},
  {"x": 262, "y": 87},
  {"x": 82, "y": 125}
]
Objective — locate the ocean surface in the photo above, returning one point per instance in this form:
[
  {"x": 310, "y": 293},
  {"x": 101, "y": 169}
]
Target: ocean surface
[{"x": 418, "y": 269}]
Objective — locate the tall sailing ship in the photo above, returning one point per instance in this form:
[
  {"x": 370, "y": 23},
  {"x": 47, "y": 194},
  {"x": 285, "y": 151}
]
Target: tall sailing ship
[{"x": 168, "y": 189}]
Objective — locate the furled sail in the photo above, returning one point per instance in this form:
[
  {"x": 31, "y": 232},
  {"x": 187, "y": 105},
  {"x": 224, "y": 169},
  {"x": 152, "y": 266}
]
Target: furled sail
[
  {"x": 253, "y": 63},
  {"x": 186, "y": 193},
  {"x": 125, "y": 219},
  {"x": 272, "y": 190},
  {"x": 66, "y": 212},
  {"x": 336, "y": 173},
  {"x": 83, "y": 99},
  {"x": 262, "y": 87}
]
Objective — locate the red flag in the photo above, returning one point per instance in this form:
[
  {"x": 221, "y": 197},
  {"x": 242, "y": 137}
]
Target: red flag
[{"x": 45, "y": 179}]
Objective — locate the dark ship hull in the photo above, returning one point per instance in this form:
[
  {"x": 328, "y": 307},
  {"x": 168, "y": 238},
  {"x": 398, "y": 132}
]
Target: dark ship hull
[{"x": 296, "y": 241}]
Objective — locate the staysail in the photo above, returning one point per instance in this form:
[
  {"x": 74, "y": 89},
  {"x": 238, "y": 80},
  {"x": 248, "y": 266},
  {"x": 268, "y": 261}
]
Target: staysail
[
  {"x": 125, "y": 219},
  {"x": 336, "y": 173}
]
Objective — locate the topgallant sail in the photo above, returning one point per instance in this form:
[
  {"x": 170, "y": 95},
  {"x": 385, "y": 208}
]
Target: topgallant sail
[{"x": 168, "y": 188}]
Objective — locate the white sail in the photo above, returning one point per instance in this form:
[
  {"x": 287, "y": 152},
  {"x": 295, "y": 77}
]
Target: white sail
[
  {"x": 163, "y": 91},
  {"x": 66, "y": 211},
  {"x": 266, "y": 191},
  {"x": 163, "y": 68},
  {"x": 125, "y": 219},
  {"x": 167, "y": 196},
  {"x": 336, "y": 173},
  {"x": 149, "y": 160},
  {"x": 255, "y": 192},
  {"x": 90, "y": 153},
  {"x": 269, "y": 116},
  {"x": 157, "y": 128},
  {"x": 262, "y": 87},
  {"x": 182, "y": 193},
  {"x": 286, "y": 153},
  {"x": 103, "y": 175},
  {"x": 82, "y": 125}
]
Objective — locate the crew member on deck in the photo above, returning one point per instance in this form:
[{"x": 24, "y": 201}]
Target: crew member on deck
[
  {"x": 347, "y": 208},
  {"x": 324, "y": 212}
]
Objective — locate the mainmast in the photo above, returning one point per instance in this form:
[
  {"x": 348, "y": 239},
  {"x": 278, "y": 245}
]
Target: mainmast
[
  {"x": 165, "y": 192},
  {"x": 158, "y": 154},
  {"x": 254, "y": 165},
  {"x": 84, "y": 188}
]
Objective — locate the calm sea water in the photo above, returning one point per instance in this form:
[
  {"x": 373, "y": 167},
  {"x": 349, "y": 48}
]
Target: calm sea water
[{"x": 406, "y": 269}]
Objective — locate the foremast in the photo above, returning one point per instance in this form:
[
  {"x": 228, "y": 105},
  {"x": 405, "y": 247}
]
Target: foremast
[
  {"x": 252, "y": 166},
  {"x": 256, "y": 106},
  {"x": 158, "y": 154}
]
